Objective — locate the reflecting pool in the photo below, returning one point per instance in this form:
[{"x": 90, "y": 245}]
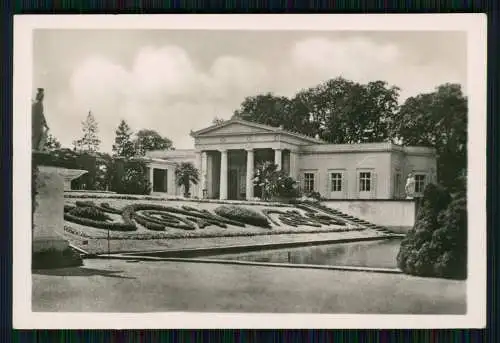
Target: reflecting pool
[{"x": 376, "y": 254}]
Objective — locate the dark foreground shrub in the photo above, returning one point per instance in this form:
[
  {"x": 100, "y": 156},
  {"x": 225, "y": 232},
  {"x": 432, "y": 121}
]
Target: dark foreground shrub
[
  {"x": 56, "y": 259},
  {"x": 243, "y": 215},
  {"x": 437, "y": 245}
]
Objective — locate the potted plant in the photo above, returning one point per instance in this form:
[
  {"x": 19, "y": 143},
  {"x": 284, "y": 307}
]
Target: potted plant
[{"x": 185, "y": 174}]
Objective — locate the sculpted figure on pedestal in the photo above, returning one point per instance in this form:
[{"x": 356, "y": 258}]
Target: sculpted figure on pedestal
[
  {"x": 38, "y": 123},
  {"x": 410, "y": 186}
]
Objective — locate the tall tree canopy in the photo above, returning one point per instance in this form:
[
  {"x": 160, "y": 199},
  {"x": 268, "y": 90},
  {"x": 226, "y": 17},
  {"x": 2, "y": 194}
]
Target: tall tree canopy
[
  {"x": 439, "y": 120},
  {"x": 123, "y": 143},
  {"x": 90, "y": 141},
  {"x": 264, "y": 109},
  {"x": 339, "y": 110},
  {"x": 147, "y": 140}
]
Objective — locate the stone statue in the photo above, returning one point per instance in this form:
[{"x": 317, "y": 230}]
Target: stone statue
[
  {"x": 38, "y": 123},
  {"x": 410, "y": 186}
]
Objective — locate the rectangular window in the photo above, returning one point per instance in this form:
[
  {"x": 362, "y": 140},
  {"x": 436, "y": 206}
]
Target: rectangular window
[
  {"x": 365, "y": 179},
  {"x": 336, "y": 182},
  {"x": 419, "y": 183},
  {"x": 308, "y": 182}
]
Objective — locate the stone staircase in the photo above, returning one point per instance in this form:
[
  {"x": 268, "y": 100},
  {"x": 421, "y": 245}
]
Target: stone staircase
[{"x": 351, "y": 219}]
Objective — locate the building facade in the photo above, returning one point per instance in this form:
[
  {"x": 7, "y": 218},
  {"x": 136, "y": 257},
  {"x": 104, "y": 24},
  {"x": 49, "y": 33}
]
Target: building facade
[{"x": 226, "y": 156}]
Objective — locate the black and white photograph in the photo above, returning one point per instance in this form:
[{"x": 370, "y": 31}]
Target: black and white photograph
[{"x": 323, "y": 171}]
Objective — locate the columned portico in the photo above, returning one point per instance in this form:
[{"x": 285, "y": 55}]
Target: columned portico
[
  {"x": 230, "y": 152},
  {"x": 249, "y": 174},
  {"x": 223, "y": 174}
]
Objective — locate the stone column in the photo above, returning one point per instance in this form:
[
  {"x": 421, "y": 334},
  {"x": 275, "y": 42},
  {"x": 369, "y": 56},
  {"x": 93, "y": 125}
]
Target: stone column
[
  {"x": 198, "y": 163},
  {"x": 151, "y": 173},
  {"x": 250, "y": 174},
  {"x": 203, "y": 173},
  {"x": 223, "y": 175},
  {"x": 293, "y": 165},
  {"x": 277, "y": 158}
]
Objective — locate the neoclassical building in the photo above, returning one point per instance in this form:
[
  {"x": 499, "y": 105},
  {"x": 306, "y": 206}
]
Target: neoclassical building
[{"x": 227, "y": 154}]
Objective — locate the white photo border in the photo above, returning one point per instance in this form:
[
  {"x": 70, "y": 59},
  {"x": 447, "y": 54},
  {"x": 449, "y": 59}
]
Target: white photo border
[{"x": 473, "y": 24}]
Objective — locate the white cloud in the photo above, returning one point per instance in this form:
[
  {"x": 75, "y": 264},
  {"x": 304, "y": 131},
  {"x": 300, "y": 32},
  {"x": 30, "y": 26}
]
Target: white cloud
[{"x": 165, "y": 90}]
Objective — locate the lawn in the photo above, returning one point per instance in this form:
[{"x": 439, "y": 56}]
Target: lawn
[{"x": 102, "y": 286}]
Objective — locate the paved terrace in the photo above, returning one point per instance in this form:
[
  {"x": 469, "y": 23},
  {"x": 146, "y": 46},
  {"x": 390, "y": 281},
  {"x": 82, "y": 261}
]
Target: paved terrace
[{"x": 131, "y": 286}]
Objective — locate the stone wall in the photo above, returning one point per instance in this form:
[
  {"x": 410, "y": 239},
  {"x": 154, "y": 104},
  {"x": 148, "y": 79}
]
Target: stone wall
[{"x": 399, "y": 214}]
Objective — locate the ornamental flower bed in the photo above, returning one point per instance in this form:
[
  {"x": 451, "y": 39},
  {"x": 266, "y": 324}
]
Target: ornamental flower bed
[{"x": 176, "y": 219}]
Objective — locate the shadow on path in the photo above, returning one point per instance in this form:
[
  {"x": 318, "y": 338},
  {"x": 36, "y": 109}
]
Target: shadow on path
[{"x": 82, "y": 271}]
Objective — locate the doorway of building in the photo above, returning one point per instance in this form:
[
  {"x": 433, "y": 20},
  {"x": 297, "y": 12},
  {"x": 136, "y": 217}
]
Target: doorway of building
[{"x": 160, "y": 180}]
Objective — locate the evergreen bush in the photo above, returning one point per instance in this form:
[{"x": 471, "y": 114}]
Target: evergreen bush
[{"x": 437, "y": 244}]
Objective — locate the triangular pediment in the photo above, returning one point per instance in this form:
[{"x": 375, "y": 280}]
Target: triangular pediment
[
  {"x": 234, "y": 127},
  {"x": 239, "y": 127}
]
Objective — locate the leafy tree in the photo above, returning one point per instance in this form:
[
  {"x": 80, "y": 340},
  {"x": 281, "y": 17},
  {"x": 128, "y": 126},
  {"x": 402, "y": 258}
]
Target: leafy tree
[
  {"x": 52, "y": 143},
  {"x": 439, "y": 120},
  {"x": 128, "y": 176},
  {"x": 437, "y": 244},
  {"x": 185, "y": 174},
  {"x": 123, "y": 144},
  {"x": 90, "y": 141},
  {"x": 265, "y": 109},
  {"x": 102, "y": 176},
  {"x": 148, "y": 140},
  {"x": 339, "y": 110},
  {"x": 343, "y": 111}
]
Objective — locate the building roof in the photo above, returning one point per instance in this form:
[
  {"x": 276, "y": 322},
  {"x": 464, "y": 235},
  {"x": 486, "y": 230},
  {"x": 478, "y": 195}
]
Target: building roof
[
  {"x": 178, "y": 153},
  {"x": 262, "y": 127},
  {"x": 367, "y": 147}
]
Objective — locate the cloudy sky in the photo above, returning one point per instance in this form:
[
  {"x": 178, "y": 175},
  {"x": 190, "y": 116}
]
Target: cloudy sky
[{"x": 175, "y": 81}]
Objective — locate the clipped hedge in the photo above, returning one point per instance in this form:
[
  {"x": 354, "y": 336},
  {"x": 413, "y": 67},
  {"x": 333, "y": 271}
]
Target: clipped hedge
[
  {"x": 107, "y": 208},
  {"x": 295, "y": 218},
  {"x": 83, "y": 203},
  {"x": 89, "y": 213},
  {"x": 148, "y": 224},
  {"x": 169, "y": 220},
  {"x": 114, "y": 226},
  {"x": 68, "y": 208},
  {"x": 242, "y": 214}
]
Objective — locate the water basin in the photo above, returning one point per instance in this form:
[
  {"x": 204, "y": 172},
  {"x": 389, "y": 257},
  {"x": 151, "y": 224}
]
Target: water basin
[{"x": 374, "y": 254}]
